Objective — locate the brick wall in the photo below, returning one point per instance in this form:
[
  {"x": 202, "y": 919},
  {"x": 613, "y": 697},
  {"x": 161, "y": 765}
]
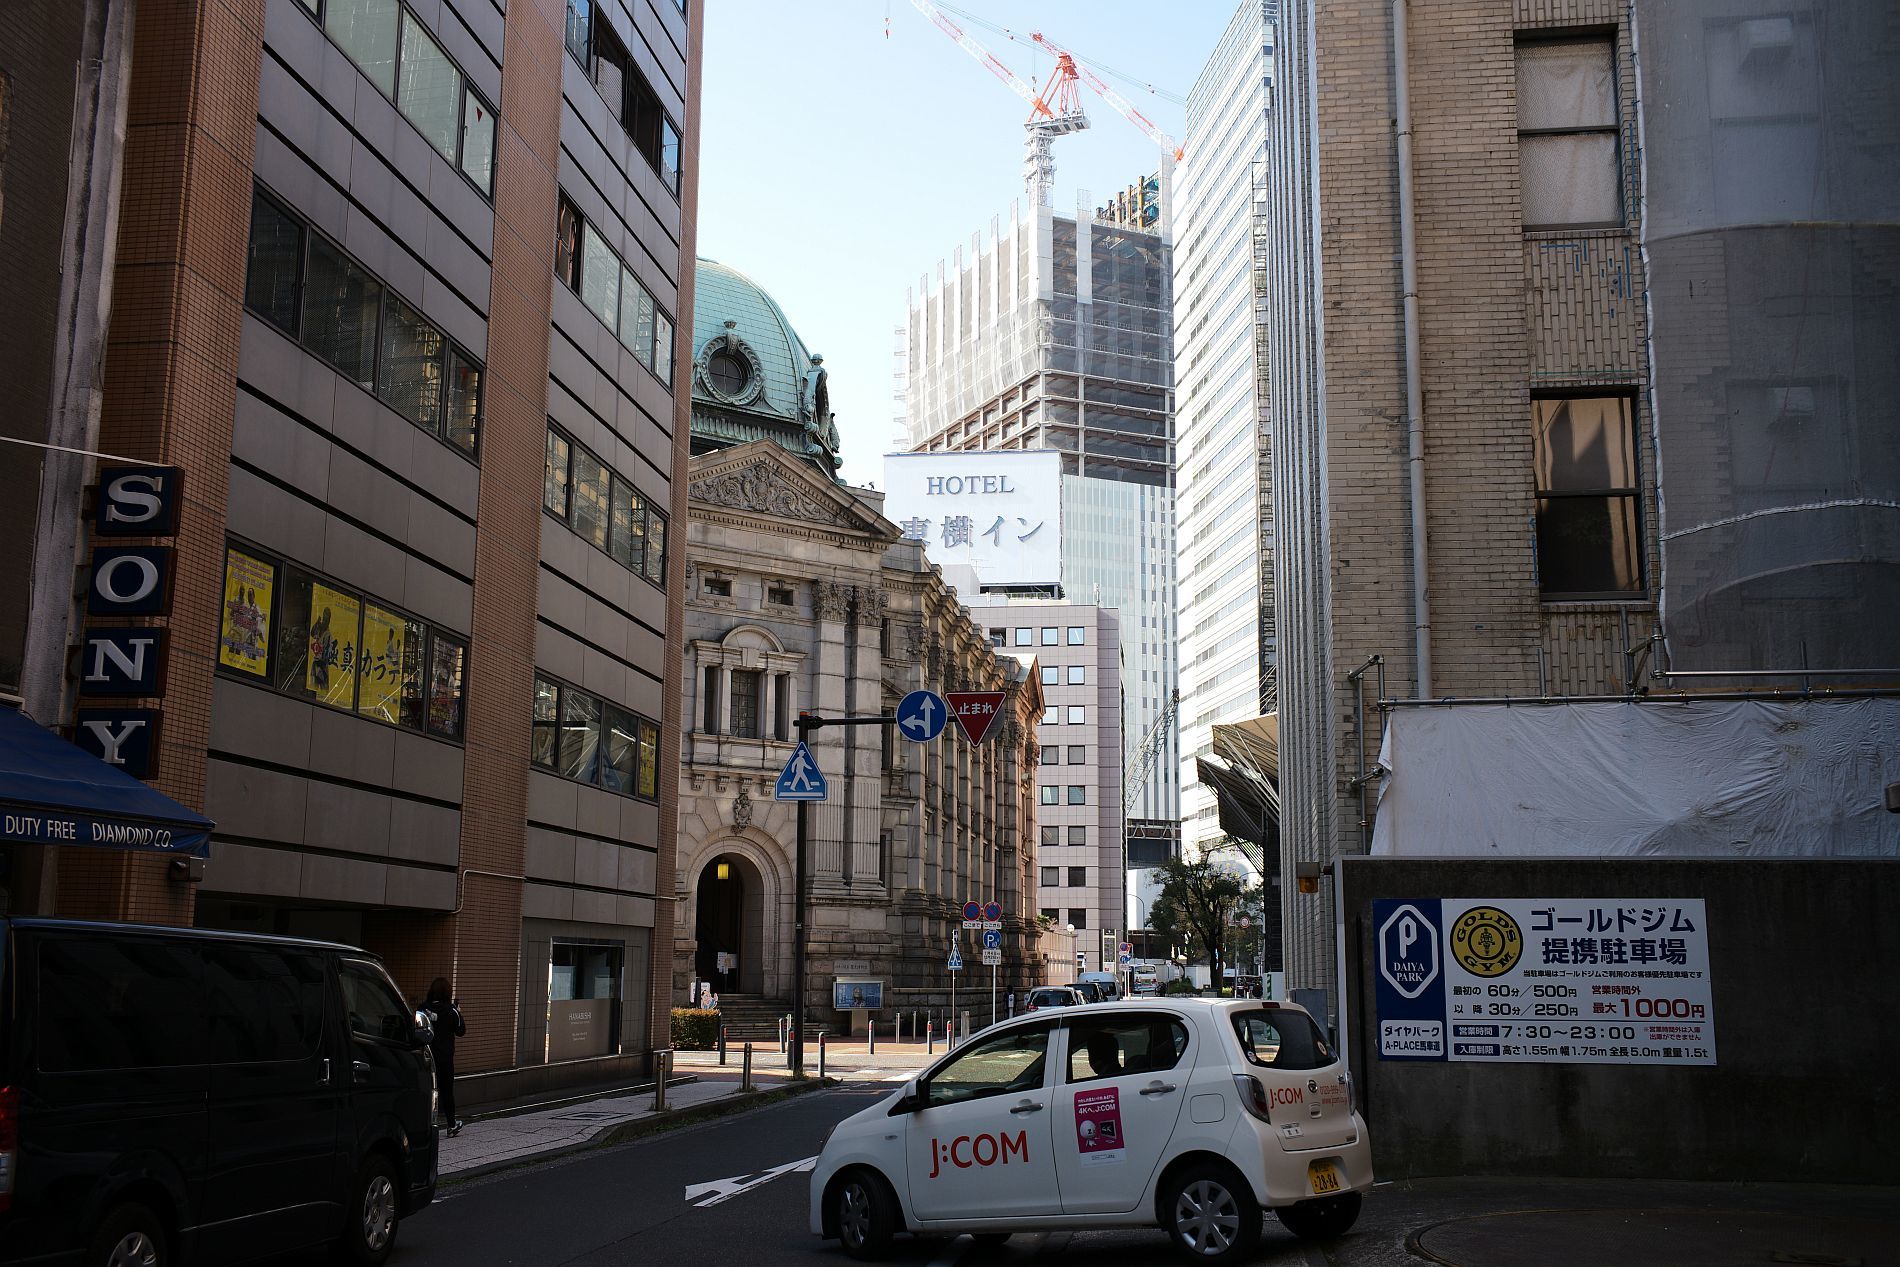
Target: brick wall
[
  {"x": 487, "y": 961},
  {"x": 171, "y": 373}
]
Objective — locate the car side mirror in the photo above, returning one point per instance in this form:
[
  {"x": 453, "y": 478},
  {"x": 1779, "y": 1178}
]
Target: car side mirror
[
  {"x": 910, "y": 1101},
  {"x": 423, "y": 1032}
]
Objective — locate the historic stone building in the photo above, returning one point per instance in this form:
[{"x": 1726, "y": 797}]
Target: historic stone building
[{"x": 803, "y": 596}]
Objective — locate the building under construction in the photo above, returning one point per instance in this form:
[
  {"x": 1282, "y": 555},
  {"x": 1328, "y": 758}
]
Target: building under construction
[{"x": 1053, "y": 332}]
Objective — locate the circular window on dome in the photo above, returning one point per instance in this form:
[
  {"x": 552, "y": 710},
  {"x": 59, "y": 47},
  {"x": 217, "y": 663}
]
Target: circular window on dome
[{"x": 728, "y": 373}]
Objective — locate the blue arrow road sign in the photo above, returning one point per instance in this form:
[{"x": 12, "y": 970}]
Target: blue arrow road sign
[
  {"x": 921, "y": 715},
  {"x": 801, "y": 780},
  {"x": 992, "y": 939}
]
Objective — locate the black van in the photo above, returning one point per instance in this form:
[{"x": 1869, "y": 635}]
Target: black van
[{"x": 171, "y": 1095}]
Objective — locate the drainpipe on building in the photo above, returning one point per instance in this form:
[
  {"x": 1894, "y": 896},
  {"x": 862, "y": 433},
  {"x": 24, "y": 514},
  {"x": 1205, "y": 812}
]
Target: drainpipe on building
[{"x": 1414, "y": 392}]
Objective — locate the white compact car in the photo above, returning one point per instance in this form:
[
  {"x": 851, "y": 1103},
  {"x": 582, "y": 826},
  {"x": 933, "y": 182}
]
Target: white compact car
[{"x": 1190, "y": 1114}]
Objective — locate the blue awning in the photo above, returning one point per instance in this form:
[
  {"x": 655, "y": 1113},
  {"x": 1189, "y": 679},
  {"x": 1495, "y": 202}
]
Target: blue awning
[{"x": 54, "y": 793}]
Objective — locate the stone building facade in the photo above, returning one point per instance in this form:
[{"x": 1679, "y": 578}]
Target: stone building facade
[{"x": 802, "y": 596}]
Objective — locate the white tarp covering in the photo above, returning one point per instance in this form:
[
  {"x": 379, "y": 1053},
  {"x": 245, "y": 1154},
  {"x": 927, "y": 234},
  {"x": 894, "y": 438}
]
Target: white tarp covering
[{"x": 1704, "y": 778}]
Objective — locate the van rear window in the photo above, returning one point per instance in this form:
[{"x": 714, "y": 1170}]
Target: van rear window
[
  {"x": 119, "y": 1004},
  {"x": 1280, "y": 1038}
]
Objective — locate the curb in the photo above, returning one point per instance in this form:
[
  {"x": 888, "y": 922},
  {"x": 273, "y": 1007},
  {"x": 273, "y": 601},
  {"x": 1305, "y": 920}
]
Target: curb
[
  {"x": 639, "y": 1128},
  {"x": 541, "y": 1106}
]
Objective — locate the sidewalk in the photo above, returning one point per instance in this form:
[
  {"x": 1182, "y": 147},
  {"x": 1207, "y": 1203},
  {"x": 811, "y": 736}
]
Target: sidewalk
[{"x": 701, "y": 1087}]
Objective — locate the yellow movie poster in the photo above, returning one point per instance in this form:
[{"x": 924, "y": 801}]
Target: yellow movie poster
[
  {"x": 330, "y": 675},
  {"x": 244, "y": 641},
  {"x": 385, "y": 637}
]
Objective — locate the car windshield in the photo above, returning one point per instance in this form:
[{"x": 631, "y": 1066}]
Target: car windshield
[{"x": 1279, "y": 1038}]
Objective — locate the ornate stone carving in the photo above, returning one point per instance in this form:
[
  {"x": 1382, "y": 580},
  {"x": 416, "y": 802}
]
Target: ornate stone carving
[
  {"x": 832, "y": 600},
  {"x": 1013, "y": 733},
  {"x": 914, "y": 642},
  {"x": 871, "y": 602},
  {"x": 742, "y": 810},
  {"x": 760, "y": 486}
]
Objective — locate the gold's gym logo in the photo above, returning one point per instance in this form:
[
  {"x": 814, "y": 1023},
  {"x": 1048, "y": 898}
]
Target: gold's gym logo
[{"x": 1486, "y": 942}]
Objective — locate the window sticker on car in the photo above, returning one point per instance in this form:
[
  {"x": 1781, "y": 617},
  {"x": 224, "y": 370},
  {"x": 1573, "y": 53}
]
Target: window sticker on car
[{"x": 1098, "y": 1127}]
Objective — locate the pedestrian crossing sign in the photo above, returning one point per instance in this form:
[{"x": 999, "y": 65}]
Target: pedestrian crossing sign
[{"x": 801, "y": 779}]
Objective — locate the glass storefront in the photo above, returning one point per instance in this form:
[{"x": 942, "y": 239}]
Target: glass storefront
[{"x": 583, "y": 998}]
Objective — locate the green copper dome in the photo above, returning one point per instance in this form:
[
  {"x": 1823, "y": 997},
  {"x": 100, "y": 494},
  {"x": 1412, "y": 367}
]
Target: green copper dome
[{"x": 753, "y": 377}]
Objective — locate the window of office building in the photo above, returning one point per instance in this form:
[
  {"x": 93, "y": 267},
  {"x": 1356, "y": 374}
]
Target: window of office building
[
  {"x": 1078, "y": 754},
  {"x": 1078, "y": 794},
  {"x": 628, "y": 95},
  {"x": 1051, "y": 794},
  {"x": 1078, "y": 675},
  {"x": 604, "y": 509},
  {"x": 588, "y": 265},
  {"x": 1025, "y": 637},
  {"x": 1078, "y": 835},
  {"x": 1078, "y": 877},
  {"x": 1589, "y": 537},
  {"x": 1566, "y": 133},
  {"x": 1078, "y": 635},
  {"x": 1052, "y": 914},
  {"x": 1050, "y": 634},
  {"x": 395, "y": 50},
  {"x": 1052, "y": 715},
  {"x": 305, "y": 285},
  {"x": 304, "y": 635},
  {"x": 1078, "y": 917},
  {"x": 1078, "y": 714},
  {"x": 1050, "y": 836},
  {"x": 1051, "y": 675},
  {"x": 1051, "y": 754},
  {"x": 1051, "y": 877},
  {"x": 580, "y": 736},
  {"x": 999, "y": 637}
]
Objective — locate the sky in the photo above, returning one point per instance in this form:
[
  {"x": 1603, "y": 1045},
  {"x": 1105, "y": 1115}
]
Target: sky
[{"x": 839, "y": 164}]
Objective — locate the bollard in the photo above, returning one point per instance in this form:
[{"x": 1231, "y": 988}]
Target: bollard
[
  {"x": 930, "y": 1038},
  {"x": 821, "y": 1056},
  {"x": 965, "y": 1036},
  {"x": 784, "y": 1028},
  {"x": 870, "y": 1038},
  {"x": 722, "y": 1044},
  {"x": 662, "y": 1064},
  {"x": 745, "y": 1068}
]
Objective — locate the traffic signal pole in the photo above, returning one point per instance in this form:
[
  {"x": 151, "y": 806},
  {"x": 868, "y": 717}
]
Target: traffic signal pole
[{"x": 805, "y": 724}]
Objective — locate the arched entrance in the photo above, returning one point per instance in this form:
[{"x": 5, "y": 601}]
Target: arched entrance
[{"x": 727, "y": 920}]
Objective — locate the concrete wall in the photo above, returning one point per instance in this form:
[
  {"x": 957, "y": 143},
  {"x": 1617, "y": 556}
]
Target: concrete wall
[{"x": 1803, "y": 1088}]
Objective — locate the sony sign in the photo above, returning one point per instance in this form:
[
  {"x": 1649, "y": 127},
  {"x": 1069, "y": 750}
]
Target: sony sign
[
  {"x": 998, "y": 513},
  {"x": 128, "y": 661}
]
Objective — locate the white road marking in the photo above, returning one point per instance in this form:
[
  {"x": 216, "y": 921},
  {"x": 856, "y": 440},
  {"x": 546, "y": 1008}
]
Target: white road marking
[{"x": 703, "y": 1195}]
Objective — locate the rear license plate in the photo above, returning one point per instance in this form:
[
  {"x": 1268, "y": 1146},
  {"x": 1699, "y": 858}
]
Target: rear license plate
[{"x": 1324, "y": 1176}]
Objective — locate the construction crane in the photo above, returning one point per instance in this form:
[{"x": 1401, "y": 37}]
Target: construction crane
[
  {"x": 1115, "y": 99},
  {"x": 1055, "y": 111},
  {"x": 1142, "y": 760}
]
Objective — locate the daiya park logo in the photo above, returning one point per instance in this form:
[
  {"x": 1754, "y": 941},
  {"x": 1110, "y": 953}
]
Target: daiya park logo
[{"x": 1408, "y": 951}]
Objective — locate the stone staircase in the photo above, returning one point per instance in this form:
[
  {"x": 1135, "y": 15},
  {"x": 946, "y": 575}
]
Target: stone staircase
[{"x": 751, "y": 1018}]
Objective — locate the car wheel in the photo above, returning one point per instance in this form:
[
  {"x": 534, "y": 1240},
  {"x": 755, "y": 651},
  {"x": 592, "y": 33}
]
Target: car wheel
[
  {"x": 1211, "y": 1215},
  {"x": 1322, "y": 1219},
  {"x": 373, "y": 1214},
  {"x": 130, "y": 1236},
  {"x": 867, "y": 1214}
]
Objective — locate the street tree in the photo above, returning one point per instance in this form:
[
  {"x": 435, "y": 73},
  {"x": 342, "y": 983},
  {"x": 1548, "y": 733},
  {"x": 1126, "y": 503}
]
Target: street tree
[{"x": 1198, "y": 897}]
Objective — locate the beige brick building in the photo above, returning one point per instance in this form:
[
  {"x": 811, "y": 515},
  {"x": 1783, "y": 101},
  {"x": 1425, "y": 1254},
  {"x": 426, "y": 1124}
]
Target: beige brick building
[
  {"x": 1569, "y": 308},
  {"x": 1516, "y": 322}
]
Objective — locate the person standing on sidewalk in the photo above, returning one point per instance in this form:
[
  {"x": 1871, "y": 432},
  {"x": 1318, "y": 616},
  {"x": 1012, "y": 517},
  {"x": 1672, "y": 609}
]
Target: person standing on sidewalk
[{"x": 448, "y": 1027}]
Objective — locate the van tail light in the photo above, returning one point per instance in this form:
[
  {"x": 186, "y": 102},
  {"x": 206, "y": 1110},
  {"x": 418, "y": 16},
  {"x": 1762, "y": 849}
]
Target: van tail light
[
  {"x": 9, "y": 1143},
  {"x": 1253, "y": 1097}
]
